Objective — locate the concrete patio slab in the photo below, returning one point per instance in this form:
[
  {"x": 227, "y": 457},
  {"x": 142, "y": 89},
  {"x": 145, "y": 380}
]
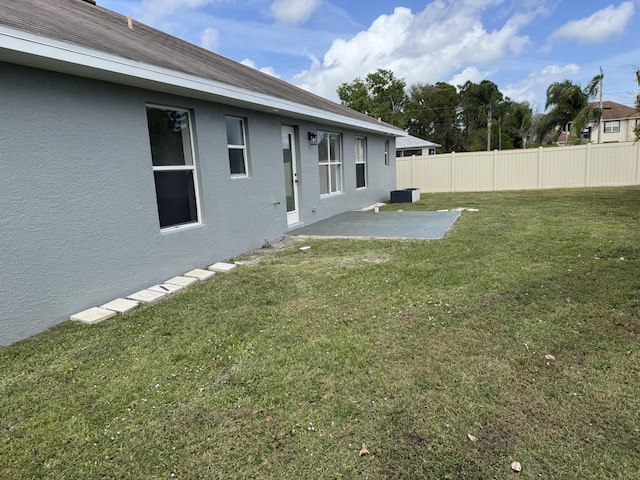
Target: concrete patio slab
[
  {"x": 402, "y": 225},
  {"x": 222, "y": 267},
  {"x": 200, "y": 274},
  {"x": 182, "y": 281},
  {"x": 93, "y": 315},
  {"x": 166, "y": 288},
  {"x": 121, "y": 305},
  {"x": 147, "y": 296}
]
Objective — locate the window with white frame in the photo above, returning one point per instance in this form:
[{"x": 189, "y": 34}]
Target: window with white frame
[
  {"x": 330, "y": 162},
  {"x": 174, "y": 167},
  {"x": 361, "y": 162},
  {"x": 612, "y": 127},
  {"x": 237, "y": 145}
]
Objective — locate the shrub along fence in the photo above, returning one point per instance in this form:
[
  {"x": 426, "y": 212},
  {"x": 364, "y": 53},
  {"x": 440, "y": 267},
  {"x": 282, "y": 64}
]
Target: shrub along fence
[{"x": 591, "y": 165}]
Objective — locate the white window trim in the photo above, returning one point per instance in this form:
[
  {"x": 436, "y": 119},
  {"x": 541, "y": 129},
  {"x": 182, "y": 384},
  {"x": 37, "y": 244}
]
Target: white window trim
[
  {"x": 243, "y": 123},
  {"x": 361, "y": 161},
  {"x": 328, "y": 163},
  {"x": 614, "y": 126},
  {"x": 174, "y": 168}
]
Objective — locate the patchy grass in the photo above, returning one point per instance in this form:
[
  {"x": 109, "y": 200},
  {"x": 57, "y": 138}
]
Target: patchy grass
[{"x": 285, "y": 367}]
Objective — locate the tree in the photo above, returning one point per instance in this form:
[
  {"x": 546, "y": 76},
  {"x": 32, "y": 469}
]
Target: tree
[
  {"x": 480, "y": 103},
  {"x": 519, "y": 121},
  {"x": 433, "y": 114},
  {"x": 380, "y": 95},
  {"x": 570, "y": 106}
]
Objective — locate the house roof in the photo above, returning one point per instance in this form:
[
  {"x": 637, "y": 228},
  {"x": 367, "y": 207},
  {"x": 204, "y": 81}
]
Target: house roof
[
  {"x": 77, "y": 37},
  {"x": 414, "y": 142},
  {"x": 616, "y": 111}
]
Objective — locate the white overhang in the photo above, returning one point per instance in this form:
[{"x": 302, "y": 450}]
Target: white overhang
[{"x": 24, "y": 48}]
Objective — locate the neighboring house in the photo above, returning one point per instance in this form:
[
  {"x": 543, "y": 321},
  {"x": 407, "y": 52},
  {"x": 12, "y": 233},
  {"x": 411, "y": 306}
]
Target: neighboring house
[
  {"x": 617, "y": 125},
  {"x": 410, "y": 145},
  {"x": 129, "y": 156}
]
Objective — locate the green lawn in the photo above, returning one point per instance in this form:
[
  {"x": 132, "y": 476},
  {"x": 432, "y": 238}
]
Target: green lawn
[{"x": 285, "y": 367}]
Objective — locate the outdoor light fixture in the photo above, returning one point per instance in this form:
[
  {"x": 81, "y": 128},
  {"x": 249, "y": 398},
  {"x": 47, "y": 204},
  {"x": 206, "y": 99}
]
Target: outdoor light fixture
[{"x": 313, "y": 138}]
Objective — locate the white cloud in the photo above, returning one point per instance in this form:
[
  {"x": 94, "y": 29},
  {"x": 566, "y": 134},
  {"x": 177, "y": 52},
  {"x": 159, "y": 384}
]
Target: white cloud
[
  {"x": 600, "y": 26},
  {"x": 268, "y": 70},
  {"x": 422, "y": 47},
  {"x": 209, "y": 39},
  {"x": 293, "y": 12},
  {"x": 471, "y": 74},
  {"x": 530, "y": 88}
]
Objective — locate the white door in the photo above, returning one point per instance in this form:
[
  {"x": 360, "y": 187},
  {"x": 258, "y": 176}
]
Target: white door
[{"x": 290, "y": 175}]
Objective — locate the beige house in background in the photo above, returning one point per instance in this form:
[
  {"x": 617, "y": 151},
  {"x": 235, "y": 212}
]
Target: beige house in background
[{"x": 617, "y": 125}]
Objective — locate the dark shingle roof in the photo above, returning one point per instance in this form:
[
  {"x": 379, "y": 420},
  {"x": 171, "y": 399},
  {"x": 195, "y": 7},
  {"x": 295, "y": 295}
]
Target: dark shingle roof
[
  {"x": 90, "y": 26},
  {"x": 617, "y": 111}
]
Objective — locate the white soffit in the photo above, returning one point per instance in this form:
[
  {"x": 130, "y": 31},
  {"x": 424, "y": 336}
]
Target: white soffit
[{"x": 24, "y": 48}]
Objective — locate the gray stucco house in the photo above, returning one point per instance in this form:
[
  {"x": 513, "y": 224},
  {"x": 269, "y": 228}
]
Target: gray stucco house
[{"x": 129, "y": 156}]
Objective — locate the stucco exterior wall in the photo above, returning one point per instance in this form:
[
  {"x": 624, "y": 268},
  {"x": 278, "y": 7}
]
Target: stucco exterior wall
[
  {"x": 79, "y": 221},
  {"x": 625, "y": 134}
]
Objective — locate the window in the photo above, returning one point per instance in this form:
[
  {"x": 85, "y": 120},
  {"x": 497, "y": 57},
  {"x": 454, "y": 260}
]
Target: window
[
  {"x": 386, "y": 153},
  {"x": 330, "y": 162},
  {"x": 612, "y": 127},
  {"x": 174, "y": 168},
  {"x": 236, "y": 140},
  {"x": 409, "y": 153},
  {"x": 361, "y": 162}
]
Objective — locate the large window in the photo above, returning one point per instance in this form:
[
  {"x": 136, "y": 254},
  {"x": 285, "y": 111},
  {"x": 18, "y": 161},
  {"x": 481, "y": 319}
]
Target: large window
[
  {"x": 236, "y": 140},
  {"x": 330, "y": 162},
  {"x": 612, "y": 127},
  {"x": 361, "y": 162},
  {"x": 174, "y": 167}
]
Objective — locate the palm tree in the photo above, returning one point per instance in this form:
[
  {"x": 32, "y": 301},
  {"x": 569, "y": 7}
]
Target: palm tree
[
  {"x": 570, "y": 106},
  {"x": 519, "y": 120}
]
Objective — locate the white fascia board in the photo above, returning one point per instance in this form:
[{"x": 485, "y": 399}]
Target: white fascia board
[{"x": 17, "y": 46}]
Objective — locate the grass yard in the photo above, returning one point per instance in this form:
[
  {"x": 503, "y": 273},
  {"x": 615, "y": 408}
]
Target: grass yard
[{"x": 521, "y": 329}]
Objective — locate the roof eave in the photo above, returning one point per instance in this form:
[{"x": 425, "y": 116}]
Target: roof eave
[{"x": 32, "y": 50}]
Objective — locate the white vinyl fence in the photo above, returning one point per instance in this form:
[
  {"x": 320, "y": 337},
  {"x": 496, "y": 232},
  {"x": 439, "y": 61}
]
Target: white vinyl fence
[{"x": 591, "y": 165}]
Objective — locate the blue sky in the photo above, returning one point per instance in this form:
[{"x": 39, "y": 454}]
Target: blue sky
[{"x": 521, "y": 45}]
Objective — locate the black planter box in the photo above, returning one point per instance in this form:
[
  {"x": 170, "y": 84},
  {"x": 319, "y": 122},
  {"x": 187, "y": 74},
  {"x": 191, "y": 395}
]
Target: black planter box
[{"x": 407, "y": 195}]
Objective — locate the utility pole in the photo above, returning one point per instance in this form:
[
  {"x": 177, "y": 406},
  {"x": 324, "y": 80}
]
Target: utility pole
[
  {"x": 489, "y": 117},
  {"x": 600, "y": 122}
]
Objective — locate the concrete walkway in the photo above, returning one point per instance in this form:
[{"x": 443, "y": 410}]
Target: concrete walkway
[{"x": 403, "y": 225}]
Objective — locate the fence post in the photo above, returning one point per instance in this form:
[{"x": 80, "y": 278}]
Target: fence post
[
  {"x": 539, "y": 168},
  {"x": 637, "y": 145},
  {"x": 587, "y": 166},
  {"x": 495, "y": 169},
  {"x": 413, "y": 172},
  {"x": 452, "y": 162}
]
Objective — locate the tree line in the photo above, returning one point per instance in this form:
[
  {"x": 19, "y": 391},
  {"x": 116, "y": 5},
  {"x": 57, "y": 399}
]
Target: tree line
[{"x": 475, "y": 116}]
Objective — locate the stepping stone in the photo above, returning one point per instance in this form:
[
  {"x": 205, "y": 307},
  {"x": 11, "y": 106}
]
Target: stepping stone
[
  {"x": 200, "y": 274},
  {"x": 120, "y": 305},
  {"x": 222, "y": 267},
  {"x": 93, "y": 315},
  {"x": 182, "y": 281},
  {"x": 147, "y": 296},
  {"x": 166, "y": 288}
]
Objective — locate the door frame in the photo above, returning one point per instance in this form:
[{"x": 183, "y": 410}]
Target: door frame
[{"x": 293, "y": 216}]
